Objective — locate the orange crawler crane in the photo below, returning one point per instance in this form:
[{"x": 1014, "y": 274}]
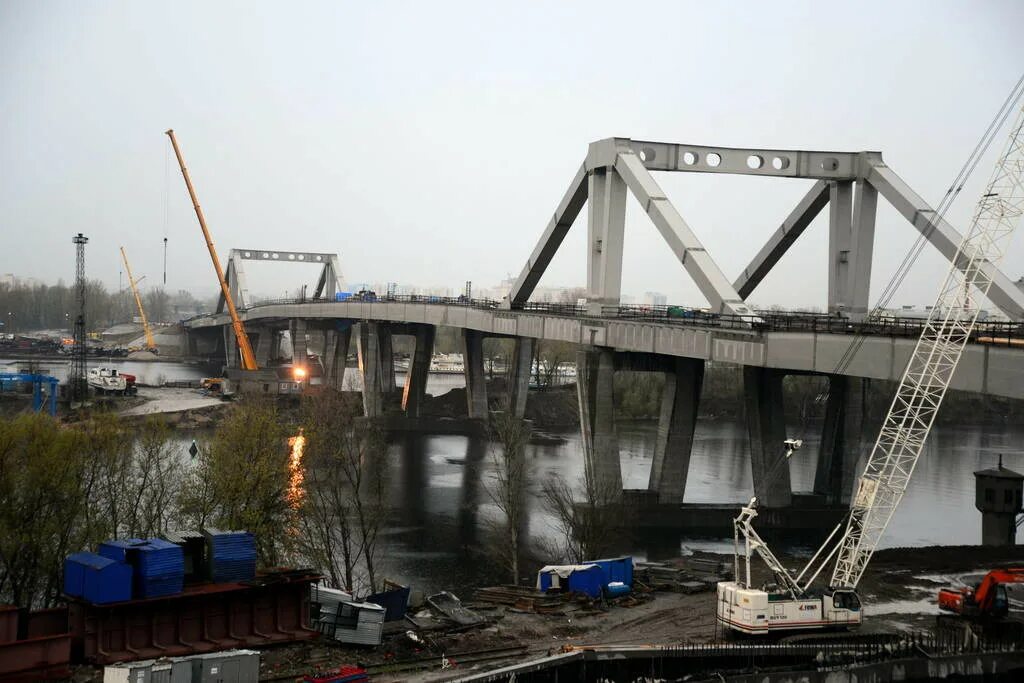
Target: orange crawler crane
[{"x": 987, "y": 599}]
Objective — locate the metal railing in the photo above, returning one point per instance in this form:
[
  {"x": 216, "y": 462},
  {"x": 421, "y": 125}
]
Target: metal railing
[{"x": 1006, "y": 334}]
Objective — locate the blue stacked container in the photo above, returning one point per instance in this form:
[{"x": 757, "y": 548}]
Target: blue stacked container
[
  {"x": 98, "y": 579},
  {"x": 159, "y": 565},
  {"x": 160, "y": 569},
  {"x": 231, "y": 555},
  {"x": 121, "y": 549}
]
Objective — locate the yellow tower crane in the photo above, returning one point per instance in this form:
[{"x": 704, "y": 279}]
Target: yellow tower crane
[
  {"x": 241, "y": 338},
  {"x": 150, "y": 343}
]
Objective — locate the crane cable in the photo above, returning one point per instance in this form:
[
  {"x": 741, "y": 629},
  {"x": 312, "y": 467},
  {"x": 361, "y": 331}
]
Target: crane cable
[
  {"x": 1008, "y": 106},
  {"x": 910, "y": 258},
  {"x": 166, "y": 203}
]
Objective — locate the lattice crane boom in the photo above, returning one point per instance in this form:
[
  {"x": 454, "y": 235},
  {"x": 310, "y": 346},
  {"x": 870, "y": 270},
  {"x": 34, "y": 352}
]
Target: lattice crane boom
[
  {"x": 932, "y": 364},
  {"x": 150, "y": 342}
]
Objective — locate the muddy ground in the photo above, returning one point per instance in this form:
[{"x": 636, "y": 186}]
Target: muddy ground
[{"x": 898, "y": 591}]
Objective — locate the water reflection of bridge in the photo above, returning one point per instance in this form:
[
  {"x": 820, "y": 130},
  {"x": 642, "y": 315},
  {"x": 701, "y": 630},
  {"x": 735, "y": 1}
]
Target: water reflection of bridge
[{"x": 676, "y": 342}]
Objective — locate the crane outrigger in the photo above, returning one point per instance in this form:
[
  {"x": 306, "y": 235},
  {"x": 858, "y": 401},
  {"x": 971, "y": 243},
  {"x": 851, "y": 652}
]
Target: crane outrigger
[{"x": 791, "y": 603}]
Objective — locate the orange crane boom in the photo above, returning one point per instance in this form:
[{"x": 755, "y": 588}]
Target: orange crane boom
[
  {"x": 244, "y": 347},
  {"x": 150, "y": 343}
]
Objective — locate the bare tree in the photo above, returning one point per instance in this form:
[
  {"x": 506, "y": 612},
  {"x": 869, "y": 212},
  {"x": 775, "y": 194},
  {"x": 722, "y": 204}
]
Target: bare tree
[
  {"x": 508, "y": 489},
  {"x": 588, "y": 521},
  {"x": 345, "y": 506}
]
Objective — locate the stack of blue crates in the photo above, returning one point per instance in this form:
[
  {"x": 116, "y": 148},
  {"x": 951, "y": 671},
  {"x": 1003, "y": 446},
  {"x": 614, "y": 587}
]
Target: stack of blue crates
[
  {"x": 160, "y": 569},
  {"x": 159, "y": 565},
  {"x": 231, "y": 555},
  {"x": 98, "y": 579}
]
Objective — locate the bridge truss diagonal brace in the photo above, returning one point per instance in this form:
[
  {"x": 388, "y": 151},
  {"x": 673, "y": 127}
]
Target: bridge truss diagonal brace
[
  {"x": 237, "y": 284},
  {"x": 779, "y": 243},
  {"x": 712, "y": 283},
  {"x": 1004, "y": 294},
  {"x": 568, "y": 209}
]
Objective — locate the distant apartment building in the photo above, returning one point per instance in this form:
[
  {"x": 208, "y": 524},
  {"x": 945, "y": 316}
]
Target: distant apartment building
[{"x": 655, "y": 299}]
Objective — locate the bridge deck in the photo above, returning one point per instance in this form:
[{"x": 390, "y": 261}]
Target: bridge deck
[{"x": 993, "y": 363}]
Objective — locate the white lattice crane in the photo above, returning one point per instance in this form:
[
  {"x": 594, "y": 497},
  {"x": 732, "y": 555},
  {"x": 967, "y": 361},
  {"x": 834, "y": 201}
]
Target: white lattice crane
[{"x": 902, "y": 436}]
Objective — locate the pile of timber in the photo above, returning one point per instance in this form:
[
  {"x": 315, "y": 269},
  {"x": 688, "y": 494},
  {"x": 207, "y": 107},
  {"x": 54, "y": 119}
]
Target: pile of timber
[
  {"x": 522, "y": 598},
  {"x": 692, "y": 575}
]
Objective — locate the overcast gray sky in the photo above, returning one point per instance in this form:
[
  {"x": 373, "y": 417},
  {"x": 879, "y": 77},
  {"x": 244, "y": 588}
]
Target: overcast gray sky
[{"x": 430, "y": 142}]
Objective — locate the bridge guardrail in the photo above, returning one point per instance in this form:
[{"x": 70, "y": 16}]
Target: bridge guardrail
[{"x": 1006, "y": 334}]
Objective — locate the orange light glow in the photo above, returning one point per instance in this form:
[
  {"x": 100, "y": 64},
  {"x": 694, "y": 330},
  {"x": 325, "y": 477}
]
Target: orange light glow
[
  {"x": 296, "y": 492},
  {"x": 300, "y": 374}
]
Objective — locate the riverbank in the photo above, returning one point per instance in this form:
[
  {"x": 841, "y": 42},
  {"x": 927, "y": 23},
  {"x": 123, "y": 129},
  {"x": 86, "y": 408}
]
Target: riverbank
[{"x": 898, "y": 590}]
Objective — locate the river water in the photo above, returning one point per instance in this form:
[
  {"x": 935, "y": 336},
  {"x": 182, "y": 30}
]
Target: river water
[{"x": 442, "y": 508}]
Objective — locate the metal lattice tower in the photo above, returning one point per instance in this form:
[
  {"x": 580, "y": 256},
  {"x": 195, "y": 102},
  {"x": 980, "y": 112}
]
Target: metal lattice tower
[
  {"x": 933, "y": 362},
  {"x": 79, "y": 387}
]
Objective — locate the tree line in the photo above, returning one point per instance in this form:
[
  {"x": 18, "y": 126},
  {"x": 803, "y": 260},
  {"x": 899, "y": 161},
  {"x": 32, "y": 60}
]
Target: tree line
[
  {"x": 29, "y": 307},
  {"x": 311, "y": 490}
]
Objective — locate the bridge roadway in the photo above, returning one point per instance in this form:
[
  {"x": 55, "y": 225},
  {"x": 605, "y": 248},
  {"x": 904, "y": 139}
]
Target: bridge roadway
[
  {"x": 628, "y": 338},
  {"x": 794, "y": 342}
]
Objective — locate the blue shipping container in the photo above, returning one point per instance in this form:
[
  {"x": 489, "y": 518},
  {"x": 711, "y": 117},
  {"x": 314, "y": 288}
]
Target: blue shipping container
[
  {"x": 341, "y": 296},
  {"x": 231, "y": 555},
  {"x": 120, "y": 549},
  {"x": 103, "y": 580},
  {"x": 74, "y": 574},
  {"x": 584, "y": 578},
  {"x": 616, "y": 569}
]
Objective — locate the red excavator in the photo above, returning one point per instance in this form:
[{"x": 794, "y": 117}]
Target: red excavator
[{"x": 987, "y": 599}]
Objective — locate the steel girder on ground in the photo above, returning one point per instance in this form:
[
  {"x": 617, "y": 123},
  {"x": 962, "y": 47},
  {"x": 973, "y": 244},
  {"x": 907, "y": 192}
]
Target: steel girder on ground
[{"x": 848, "y": 182}]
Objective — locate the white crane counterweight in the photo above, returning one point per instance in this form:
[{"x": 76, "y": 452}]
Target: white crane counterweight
[{"x": 741, "y": 606}]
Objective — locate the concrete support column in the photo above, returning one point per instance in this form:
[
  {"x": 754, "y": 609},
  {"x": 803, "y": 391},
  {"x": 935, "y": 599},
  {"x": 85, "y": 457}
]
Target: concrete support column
[
  {"x": 595, "y": 374},
  {"x": 840, "y": 242},
  {"x": 679, "y": 402},
  {"x": 865, "y": 206},
  {"x": 419, "y": 370},
  {"x": 387, "y": 359},
  {"x": 841, "y": 439},
  {"x": 519, "y": 374},
  {"x": 274, "y": 341},
  {"x": 336, "y": 343},
  {"x": 297, "y": 331},
  {"x": 261, "y": 349},
  {"x": 606, "y": 225},
  {"x": 766, "y": 426},
  {"x": 231, "y": 357},
  {"x": 368, "y": 350},
  {"x": 473, "y": 368}
]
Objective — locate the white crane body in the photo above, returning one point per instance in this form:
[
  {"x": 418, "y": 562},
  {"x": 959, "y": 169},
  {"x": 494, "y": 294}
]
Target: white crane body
[{"x": 794, "y": 604}]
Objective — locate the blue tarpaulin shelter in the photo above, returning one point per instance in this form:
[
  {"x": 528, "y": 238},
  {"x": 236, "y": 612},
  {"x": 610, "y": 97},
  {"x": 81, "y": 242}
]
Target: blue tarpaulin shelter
[
  {"x": 616, "y": 569},
  {"x": 572, "y": 578}
]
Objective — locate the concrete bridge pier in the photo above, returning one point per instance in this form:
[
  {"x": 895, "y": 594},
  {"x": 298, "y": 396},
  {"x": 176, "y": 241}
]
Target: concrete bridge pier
[
  {"x": 387, "y": 359},
  {"x": 519, "y": 374},
  {"x": 676, "y": 424},
  {"x": 336, "y": 344},
  {"x": 368, "y": 350},
  {"x": 297, "y": 332},
  {"x": 842, "y": 438},
  {"x": 473, "y": 368},
  {"x": 261, "y": 337},
  {"x": 231, "y": 358},
  {"x": 595, "y": 374},
  {"x": 766, "y": 427},
  {"x": 419, "y": 369}
]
